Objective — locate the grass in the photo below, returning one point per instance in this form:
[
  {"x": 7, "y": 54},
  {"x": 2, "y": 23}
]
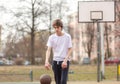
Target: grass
[{"x": 78, "y": 72}]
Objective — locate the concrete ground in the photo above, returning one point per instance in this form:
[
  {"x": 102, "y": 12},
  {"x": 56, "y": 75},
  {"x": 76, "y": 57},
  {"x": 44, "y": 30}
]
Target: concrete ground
[
  {"x": 94, "y": 82},
  {"x": 69, "y": 82}
]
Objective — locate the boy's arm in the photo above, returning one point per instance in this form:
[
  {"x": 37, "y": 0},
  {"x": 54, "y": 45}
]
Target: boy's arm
[
  {"x": 47, "y": 64},
  {"x": 68, "y": 54},
  {"x": 64, "y": 63}
]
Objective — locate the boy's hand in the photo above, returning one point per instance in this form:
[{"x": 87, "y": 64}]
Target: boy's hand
[
  {"x": 64, "y": 64},
  {"x": 47, "y": 65}
]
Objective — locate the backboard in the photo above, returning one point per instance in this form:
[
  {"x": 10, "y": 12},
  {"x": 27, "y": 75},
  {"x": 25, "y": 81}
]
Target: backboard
[{"x": 104, "y": 11}]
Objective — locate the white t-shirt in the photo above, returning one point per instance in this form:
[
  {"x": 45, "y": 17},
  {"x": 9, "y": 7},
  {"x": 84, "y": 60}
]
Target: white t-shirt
[{"x": 60, "y": 45}]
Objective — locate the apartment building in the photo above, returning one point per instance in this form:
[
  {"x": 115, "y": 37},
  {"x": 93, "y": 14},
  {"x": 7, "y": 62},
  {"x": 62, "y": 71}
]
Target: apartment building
[{"x": 0, "y": 38}]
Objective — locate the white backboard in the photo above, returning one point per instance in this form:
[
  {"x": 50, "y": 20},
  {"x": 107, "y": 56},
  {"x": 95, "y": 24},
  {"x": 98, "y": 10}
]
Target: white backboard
[{"x": 104, "y": 11}]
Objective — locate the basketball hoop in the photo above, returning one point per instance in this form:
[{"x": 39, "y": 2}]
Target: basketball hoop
[{"x": 96, "y": 15}]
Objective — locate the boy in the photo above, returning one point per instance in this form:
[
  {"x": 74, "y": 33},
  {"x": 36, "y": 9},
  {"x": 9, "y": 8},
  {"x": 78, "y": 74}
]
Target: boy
[{"x": 61, "y": 45}]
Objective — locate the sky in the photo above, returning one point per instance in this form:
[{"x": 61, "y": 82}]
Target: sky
[{"x": 8, "y": 4}]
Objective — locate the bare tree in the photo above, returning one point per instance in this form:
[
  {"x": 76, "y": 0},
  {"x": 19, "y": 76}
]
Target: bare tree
[
  {"x": 117, "y": 28},
  {"x": 28, "y": 19},
  {"x": 59, "y": 8},
  {"x": 90, "y": 35},
  {"x": 108, "y": 53}
]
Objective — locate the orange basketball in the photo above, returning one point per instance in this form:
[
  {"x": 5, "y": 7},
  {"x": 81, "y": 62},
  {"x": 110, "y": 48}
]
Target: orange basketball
[{"x": 45, "y": 79}]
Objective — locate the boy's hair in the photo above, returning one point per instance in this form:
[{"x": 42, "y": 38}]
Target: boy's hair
[{"x": 57, "y": 23}]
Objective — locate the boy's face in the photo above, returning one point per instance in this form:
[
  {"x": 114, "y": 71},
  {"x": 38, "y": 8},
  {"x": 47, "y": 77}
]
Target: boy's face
[{"x": 58, "y": 29}]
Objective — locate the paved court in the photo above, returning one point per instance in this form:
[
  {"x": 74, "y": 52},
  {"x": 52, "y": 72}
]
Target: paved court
[
  {"x": 94, "y": 82},
  {"x": 70, "y": 82}
]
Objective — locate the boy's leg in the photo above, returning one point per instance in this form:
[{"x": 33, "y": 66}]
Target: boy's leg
[
  {"x": 64, "y": 76},
  {"x": 57, "y": 72}
]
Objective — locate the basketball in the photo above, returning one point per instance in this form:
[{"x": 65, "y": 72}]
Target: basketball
[{"x": 45, "y": 79}]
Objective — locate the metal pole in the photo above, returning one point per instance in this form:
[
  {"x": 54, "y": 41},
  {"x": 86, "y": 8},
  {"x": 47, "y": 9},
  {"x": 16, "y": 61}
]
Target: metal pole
[
  {"x": 98, "y": 52},
  {"x": 102, "y": 52},
  {"x": 31, "y": 75},
  {"x": 117, "y": 73}
]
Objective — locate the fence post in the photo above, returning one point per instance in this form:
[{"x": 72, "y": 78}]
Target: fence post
[
  {"x": 31, "y": 75},
  {"x": 118, "y": 71}
]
